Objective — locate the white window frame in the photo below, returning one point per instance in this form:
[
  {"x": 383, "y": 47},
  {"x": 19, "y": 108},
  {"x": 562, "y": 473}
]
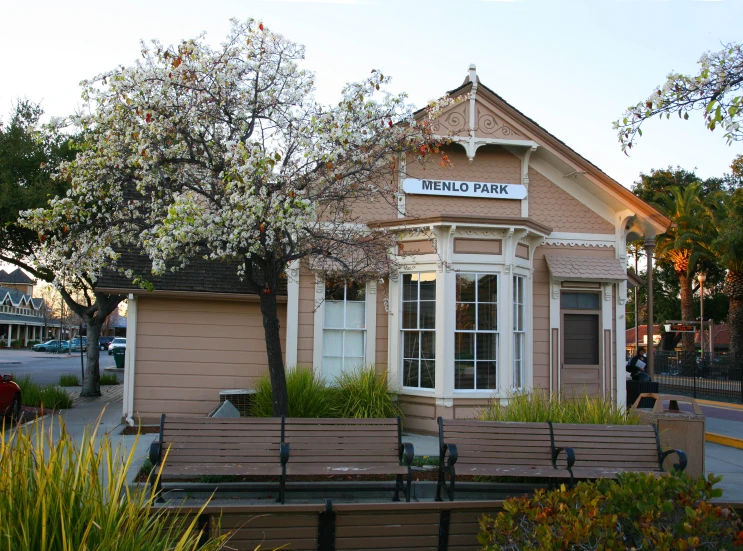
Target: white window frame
[
  {"x": 498, "y": 332},
  {"x": 401, "y": 331},
  {"x": 518, "y": 330},
  {"x": 319, "y": 324},
  {"x": 343, "y": 329}
]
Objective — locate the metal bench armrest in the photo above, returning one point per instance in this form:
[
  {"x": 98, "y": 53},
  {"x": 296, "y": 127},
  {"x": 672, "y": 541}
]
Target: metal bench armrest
[
  {"x": 407, "y": 454},
  {"x": 155, "y": 452},
  {"x": 681, "y": 465},
  {"x": 284, "y": 453},
  {"x": 569, "y": 454}
]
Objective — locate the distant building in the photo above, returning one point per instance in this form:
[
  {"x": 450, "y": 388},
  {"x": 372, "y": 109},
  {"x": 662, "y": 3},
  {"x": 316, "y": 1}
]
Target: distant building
[{"x": 22, "y": 317}]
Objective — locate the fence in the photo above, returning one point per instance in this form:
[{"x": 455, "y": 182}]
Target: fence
[{"x": 686, "y": 373}]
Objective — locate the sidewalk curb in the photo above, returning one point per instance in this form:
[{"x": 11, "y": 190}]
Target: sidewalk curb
[
  {"x": 724, "y": 440},
  {"x": 722, "y": 405}
]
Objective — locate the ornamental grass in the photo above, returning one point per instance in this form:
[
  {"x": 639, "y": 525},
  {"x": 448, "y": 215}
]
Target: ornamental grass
[
  {"x": 57, "y": 495},
  {"x": 539, "y": 407},
  {"x": 309, "y": 395},
  {"x": 48, "y": 397},
  {"x": 365, "y": 394}
]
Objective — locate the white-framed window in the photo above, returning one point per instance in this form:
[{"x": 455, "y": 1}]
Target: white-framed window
[
  {"x": 476, "y": 332},
  {"x": 344, "y": 327},
  {"x": 418, "y": 328},
  {"x": 519, "y": 335}
]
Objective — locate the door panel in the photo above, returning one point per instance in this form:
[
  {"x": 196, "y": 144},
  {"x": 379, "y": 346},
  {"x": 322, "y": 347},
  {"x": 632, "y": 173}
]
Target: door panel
[{"x": 581, "y": 370}]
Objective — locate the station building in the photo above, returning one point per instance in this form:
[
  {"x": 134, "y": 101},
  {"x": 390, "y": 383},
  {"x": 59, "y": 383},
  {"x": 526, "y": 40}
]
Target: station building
[{"x": 516, "y": 279}]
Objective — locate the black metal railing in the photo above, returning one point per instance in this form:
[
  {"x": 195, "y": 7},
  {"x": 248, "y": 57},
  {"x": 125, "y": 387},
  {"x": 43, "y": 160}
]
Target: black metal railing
[{"x": 686, "y": 373}]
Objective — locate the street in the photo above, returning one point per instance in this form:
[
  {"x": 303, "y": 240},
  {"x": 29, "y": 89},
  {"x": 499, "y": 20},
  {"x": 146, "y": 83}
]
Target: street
[{"x": 44, "y": 368}]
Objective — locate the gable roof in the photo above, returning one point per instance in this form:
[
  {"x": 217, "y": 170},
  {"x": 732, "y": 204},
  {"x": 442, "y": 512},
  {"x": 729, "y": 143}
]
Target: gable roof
[
  {"x": 569, "y": 155},
  {"x": 17, "y": 277}
]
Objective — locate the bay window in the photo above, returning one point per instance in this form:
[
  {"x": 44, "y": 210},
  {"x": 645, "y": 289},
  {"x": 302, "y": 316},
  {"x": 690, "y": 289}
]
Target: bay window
[{"x": 419, "y": 330}]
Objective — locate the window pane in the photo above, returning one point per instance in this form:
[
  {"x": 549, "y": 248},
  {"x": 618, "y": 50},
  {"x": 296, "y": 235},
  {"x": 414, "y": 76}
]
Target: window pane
[
  {"x": 410, "y": 344},
  {"x": 579, "y": 301},
  {"x": 355, "y": 315},
  {"x": 487, "y": 288},
  {"x": 464, "y": 375},
  {"x": 464, "y": 346},
  {"x": 410, "y": 315},
  {"x": 465, "y": 287},
  {"x": 520, "y": 290},
  {"x": 466, "y": 316},
  {"x": 354, "y": 344},
  {"x": 355, "y": 291},
  {"x": 487, "y": 346},
  {"x": 428, "y": 374},
  {"x": 409, "y": 287},
  {"x": 428, "y": 345},
  {"x": 428, "y": 286},
  {"x": 487, "y": 317},
  {"x": 332, "y": 368},
  {"x": 428, "y": 315},
  {"x": 485, "y": 375},
  {"x": 352, "y": 364},
  {"x": 333, "y": 314},
  {"x": 332, "y": 343},
  {"x": 334, "y": 289},
  {"x": 410, "y": 373}
]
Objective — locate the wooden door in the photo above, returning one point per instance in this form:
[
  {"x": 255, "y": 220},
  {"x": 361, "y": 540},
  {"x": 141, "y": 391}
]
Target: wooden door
[{"x": 581, "y": 363}]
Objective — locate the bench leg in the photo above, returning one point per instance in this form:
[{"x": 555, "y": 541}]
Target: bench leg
[
  {"x": 282, "y": 489},
  {"x": 398, "y": 485},
  {"x": 159, "y": 492},
  {"x": 407, "y": 487},
  {"x": 450, "y": 490},
  {"x": 439, "y": 485}
]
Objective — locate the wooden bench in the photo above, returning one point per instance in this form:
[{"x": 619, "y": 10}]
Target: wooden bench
[
  {"x": 202, "y": 446},
  {"x": 492, "y": 448},
  {"x": 603, "y": 451},
  {"x": 349, "y": 447}
]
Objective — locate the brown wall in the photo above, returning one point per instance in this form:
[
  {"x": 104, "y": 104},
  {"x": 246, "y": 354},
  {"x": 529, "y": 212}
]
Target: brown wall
[
  {"x": 306, "y": 328},
  {"x": 190, "y": 350},
  {"x": 421, "y": 412},
  {"x": 491, "y": 164},
  {"x": 561, "y": 211}
]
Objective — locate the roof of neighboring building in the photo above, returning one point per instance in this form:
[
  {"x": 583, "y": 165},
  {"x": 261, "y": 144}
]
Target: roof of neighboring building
[
  {"x": 16, "y": 297},
  {"x": 17, "y": 277},
  {"x": 198, "y": 276},
  {"x": 567, "y": 267},
  {"x": 642, "y": 332},
  {"x": 27, "y": 320}
]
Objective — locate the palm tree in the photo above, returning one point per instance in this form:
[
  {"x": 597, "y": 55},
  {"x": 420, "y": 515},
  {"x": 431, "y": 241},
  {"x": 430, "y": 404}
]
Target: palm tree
[
  {"x": 729, "y": 249},
  {"x": 686, "y": 241}
]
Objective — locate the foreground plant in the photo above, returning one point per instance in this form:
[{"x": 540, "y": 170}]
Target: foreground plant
[
  {"x": 538, "y": 407},
  {"x": 56, "y": 495},
  {"x": 637, "y": 511}
]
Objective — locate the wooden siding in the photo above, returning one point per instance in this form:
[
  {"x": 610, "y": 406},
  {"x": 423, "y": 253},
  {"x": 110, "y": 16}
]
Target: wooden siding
[
  {"x": 190, "y": 350},
  {"x": 306, "y": 321},
  {"x": 382, "y": 327}
]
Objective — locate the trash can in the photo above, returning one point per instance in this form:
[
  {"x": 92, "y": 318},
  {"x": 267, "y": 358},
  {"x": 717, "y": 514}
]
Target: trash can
[
  {"x": 679, "y": 430},
  {"x": 635, "y": 388},
  {"x": 119, "y": 354}
]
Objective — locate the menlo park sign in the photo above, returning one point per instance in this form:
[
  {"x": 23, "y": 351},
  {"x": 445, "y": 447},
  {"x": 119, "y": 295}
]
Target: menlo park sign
[{"x": 464, "y": 189}]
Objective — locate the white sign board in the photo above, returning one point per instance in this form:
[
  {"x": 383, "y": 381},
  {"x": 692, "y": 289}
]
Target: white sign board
[{"x": 483, "y": 190}]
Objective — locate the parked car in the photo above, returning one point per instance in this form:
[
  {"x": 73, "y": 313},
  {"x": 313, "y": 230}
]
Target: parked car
[
  {"x": 75, "y": 344},
  {"x": 10, "y": 397},
  {"x": 103, "y": 342},
  {"x": 118, "y": 342},
  {"x": 52, "y": 346}
]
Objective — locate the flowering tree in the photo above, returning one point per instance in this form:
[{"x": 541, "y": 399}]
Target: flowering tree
[
  {"x": 715, "y": 91},
  {"x": 223, "y": 153}
]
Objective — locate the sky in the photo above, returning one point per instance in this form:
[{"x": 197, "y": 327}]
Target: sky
[{"x": 572, "y": 66}]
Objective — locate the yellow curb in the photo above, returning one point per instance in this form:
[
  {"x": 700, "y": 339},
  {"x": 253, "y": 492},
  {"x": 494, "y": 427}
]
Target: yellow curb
[
  {"x": 721, "y": 405},
  {"x": 724, "y": 440}
]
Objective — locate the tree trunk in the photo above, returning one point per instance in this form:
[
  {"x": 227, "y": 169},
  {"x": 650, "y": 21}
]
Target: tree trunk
[
  {"x": 734, "y": 291},
  {"x": 271, "y": 326},
  {"x": 92, "y": 382},
  {"x": 687, "y": 310}
]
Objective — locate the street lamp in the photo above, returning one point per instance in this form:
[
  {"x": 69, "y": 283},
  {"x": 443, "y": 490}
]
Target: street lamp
[{"x": 702, "y": 278}]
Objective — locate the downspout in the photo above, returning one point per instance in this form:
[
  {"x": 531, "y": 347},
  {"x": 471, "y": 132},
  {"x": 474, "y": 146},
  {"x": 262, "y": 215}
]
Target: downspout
[{"x": 130, "y": 359}]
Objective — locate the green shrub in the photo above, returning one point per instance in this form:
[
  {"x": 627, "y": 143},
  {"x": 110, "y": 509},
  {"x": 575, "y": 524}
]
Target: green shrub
[
  {"x": 309, "y": 395},
  {"x": 48, "y": 397},
  {"x": 108, "y": 379},
  {"x": 15, "y": 344},
  {"x": 31, "y": 344},
  {"x": 57, "y": 497},
  {"x": 638, "y": 511},
  {"x": 365, "y": 394},
  {"x": 538, "y": 407},
  {"x": 69, "y": 380}
]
